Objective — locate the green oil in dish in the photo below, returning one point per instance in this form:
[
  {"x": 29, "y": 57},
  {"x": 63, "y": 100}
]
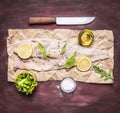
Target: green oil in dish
[{"x": 85, "y": 37}]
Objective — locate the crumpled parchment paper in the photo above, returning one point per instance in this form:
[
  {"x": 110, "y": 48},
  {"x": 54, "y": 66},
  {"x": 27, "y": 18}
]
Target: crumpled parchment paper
[{"x": 103, "y": 39}]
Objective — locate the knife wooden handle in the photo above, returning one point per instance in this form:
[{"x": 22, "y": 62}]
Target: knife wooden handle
[{"x": 41, "y": 20}]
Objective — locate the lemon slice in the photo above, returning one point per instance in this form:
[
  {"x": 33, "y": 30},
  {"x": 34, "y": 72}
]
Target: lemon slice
[
  {"x": 84, "y": 63},
  {"x": 24, "y": 50}
]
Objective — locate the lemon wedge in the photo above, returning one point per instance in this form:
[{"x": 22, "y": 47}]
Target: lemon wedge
[
  {"x": 24, "y": 50},
  {"x": 84, "y": 63}
]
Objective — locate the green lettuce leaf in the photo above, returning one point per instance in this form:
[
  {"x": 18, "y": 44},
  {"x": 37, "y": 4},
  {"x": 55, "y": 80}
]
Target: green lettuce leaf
[
  {"x": 63, "y": 50},
  {"x": 43, "y": 51},
  {"x": 25, "y": 83},
  {"x": 70, "y": 61}
]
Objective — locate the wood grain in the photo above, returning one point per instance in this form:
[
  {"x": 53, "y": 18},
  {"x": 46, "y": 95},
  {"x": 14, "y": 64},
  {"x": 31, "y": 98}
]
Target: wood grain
[{"x": 88, "y": 98}]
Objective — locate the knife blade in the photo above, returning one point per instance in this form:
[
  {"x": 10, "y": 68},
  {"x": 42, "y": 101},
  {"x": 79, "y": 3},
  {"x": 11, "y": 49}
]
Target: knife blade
[{"x": 61, "y": 20}]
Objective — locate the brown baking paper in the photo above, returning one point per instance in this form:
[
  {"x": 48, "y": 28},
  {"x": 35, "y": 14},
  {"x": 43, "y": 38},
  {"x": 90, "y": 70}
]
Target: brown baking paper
[{"x": 103, "y": 39}]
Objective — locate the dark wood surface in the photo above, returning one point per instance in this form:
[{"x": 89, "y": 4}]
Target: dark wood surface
[{"x": 47, "y": 98}]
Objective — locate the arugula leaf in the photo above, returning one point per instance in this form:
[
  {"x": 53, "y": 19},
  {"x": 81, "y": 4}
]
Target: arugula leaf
[
  {"x": 103, "y": 73},
  {"x": 43, "y": 51},
  {"x": 70, "y": 61},
  {"x": 63, "y": 49}
]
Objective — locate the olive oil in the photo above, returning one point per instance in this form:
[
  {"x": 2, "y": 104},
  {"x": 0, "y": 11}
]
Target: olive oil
[{"x": 85, "y": 37}]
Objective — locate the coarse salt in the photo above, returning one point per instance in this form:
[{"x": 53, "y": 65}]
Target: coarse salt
[{"x": 68, "y": 85}]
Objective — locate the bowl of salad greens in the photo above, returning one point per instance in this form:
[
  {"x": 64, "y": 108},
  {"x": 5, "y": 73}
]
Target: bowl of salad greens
[{"x": 25, "y": 82}]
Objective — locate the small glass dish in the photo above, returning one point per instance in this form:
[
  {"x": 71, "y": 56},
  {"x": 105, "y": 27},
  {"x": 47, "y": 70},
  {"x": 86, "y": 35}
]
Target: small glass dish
[{"x": 68, "y": 85}]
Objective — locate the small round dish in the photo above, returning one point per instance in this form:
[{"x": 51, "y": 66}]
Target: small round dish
[
  {"x": 86, "y": 37},
  {"x": 68, "y": 85},
  {"x": 25, "y": 82}
]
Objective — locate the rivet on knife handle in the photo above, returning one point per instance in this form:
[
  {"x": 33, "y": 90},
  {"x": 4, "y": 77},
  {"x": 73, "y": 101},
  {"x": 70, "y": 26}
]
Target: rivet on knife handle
[{"x": 41, "y": 20}]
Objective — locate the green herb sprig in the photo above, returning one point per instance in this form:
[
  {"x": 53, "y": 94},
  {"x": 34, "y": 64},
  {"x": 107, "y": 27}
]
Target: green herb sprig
[
  {"x": 43, "y": 51},
  {"x": 103, "y": 73},
  {"x": 70, "y": 61}
]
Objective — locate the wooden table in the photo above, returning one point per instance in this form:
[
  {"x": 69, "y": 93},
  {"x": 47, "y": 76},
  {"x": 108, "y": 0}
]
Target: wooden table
[{"x": 88, "y": 98}]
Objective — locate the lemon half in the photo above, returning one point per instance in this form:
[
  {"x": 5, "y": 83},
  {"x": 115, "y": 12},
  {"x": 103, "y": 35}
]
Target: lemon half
[
  {"x": 24, "y": 50},
  {"x": 84, "y": 63}
]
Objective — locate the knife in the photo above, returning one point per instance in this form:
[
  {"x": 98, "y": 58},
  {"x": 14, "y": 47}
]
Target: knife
[{"x": 61, "y": 20}]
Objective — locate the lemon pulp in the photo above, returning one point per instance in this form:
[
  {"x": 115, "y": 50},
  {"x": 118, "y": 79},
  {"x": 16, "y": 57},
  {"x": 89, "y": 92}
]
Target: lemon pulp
[
  {"x": 24, "y": 50},
  {"x": 84, "y": 63}
]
